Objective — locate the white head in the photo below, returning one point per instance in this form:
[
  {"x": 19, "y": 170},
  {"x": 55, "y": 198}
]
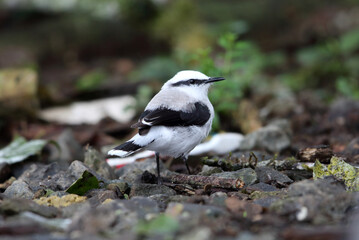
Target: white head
[{"x": 191, "y": 81}]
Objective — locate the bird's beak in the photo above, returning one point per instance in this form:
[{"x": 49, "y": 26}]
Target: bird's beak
[{"x": 214, "y": 79}]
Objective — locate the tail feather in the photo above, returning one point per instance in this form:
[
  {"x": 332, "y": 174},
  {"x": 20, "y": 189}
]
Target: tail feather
[{"x": 125, "y": 149}]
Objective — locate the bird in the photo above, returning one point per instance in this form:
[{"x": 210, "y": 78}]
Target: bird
[{"x": 175, "y": 120}]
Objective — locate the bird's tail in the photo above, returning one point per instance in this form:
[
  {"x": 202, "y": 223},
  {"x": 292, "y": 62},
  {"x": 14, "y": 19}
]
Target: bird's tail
[{"x": 131, "y": 146}]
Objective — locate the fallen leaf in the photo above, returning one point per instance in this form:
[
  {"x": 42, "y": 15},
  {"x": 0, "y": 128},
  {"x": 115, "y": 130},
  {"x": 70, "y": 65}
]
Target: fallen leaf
[
  {"x": 85, "y": 183},
  {"x": 20, "y": 149}
]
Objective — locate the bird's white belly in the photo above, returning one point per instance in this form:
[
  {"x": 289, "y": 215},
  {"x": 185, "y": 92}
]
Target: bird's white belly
[{"x": 176, "y": 141}]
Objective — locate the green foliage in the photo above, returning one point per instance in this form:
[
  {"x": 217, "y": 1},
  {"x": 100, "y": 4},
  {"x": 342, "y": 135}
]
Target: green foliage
[
  {"x": 138, "y": 13},
  {"x": 85, "y": 183},
  {"x": 20, "y": 149},
  {"x": 240, "y": 62},
  {"x": 161, "y": 225},
  {"x": 169, "y": 27},
  {"x": 143, "y": 96},
  {"x": 331, "y": 66},
  {"x": 158, "y": 68},
  {"x": 91, "y": 80}
]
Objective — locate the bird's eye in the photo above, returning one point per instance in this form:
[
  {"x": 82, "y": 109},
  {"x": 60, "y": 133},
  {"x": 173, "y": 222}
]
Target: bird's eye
[{"x": 192, "y": 81}]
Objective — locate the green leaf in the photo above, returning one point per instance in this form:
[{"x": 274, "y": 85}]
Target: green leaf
[
  {"x": 163, "y": 224},
  {"x": 20, "y": 149},
  {"x": 85, "y": 183}
]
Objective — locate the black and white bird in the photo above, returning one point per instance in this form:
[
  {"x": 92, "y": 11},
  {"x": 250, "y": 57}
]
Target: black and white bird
[{"x": 176, "y": 119}]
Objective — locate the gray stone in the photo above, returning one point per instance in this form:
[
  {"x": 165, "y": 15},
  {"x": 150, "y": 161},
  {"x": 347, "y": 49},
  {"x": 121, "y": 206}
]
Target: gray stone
[
  {"x": 16, "y": 206},
  {"x": 320, "y": 201},
  {"x": 268, "y": 174},
  {"x": 147, "y": 190},
  {"x": 98, "y": 196},
  {"x": 248, "y": 175},
  {"x": 141, "y": 205},
  {"x": 218, "y": 199},
  {"x": 263, "y": 187},
  {"x": 96, "y": 161},
  {"x": 245, "y": 235},
  {"x": 266, "y": 202},
  {"x": 197, "y": 210},
  {"x": 274, "y": 137},
  {"x": 19, "y": 189},
  {"x": 51, "y": 176},
  {"x": 132, "y": 173},
  {"x": 208, "y": 171},
  {"x": 70, "y": 149}
]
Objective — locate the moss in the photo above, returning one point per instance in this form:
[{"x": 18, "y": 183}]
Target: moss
[
  {"x": 63, "y": 201},
  {"x": 319, "y": 170},
  {"x": 340, "y": 170}
]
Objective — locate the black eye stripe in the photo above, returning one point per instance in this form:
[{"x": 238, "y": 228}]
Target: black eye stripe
[{"x": 189, "y": 82}]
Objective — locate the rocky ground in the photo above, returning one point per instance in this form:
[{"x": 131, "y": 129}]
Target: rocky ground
[{"x": 302, "y": 193}]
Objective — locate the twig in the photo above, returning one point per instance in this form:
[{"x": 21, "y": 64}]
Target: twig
[{"x": 202, "y": 181}]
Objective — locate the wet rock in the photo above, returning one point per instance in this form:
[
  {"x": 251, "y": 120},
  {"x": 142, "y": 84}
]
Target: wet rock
[
  {"x": 5, "y": 172},
  {"x": 16, "y": 206},
  {"x": 274, "y": 137},
  {"x": 269, "y": 175},
  {"x": 262, "y": 187},
  {"x": 19, "y": 189},
  {"x": 96, "y": 161},
  {"x": 321, "y": 201},
  {"x": 150, "y": 189},
  {"x": 247, "y": 175}
]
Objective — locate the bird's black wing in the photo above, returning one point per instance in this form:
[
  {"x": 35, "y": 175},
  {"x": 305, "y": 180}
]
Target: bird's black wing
[{"x": 198, "y": 116}]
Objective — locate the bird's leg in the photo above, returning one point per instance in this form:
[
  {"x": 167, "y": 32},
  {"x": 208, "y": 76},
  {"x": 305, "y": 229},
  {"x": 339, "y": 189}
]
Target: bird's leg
[
  {"x": 159, "y": 180},
  {"x": 184, "y": 158}
]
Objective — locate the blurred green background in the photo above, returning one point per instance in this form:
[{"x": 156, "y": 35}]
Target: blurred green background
[{"x": 88, "y": 49}]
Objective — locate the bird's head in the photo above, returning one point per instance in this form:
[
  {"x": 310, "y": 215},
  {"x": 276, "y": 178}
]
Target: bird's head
[{"x": 191, "y": 81}]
